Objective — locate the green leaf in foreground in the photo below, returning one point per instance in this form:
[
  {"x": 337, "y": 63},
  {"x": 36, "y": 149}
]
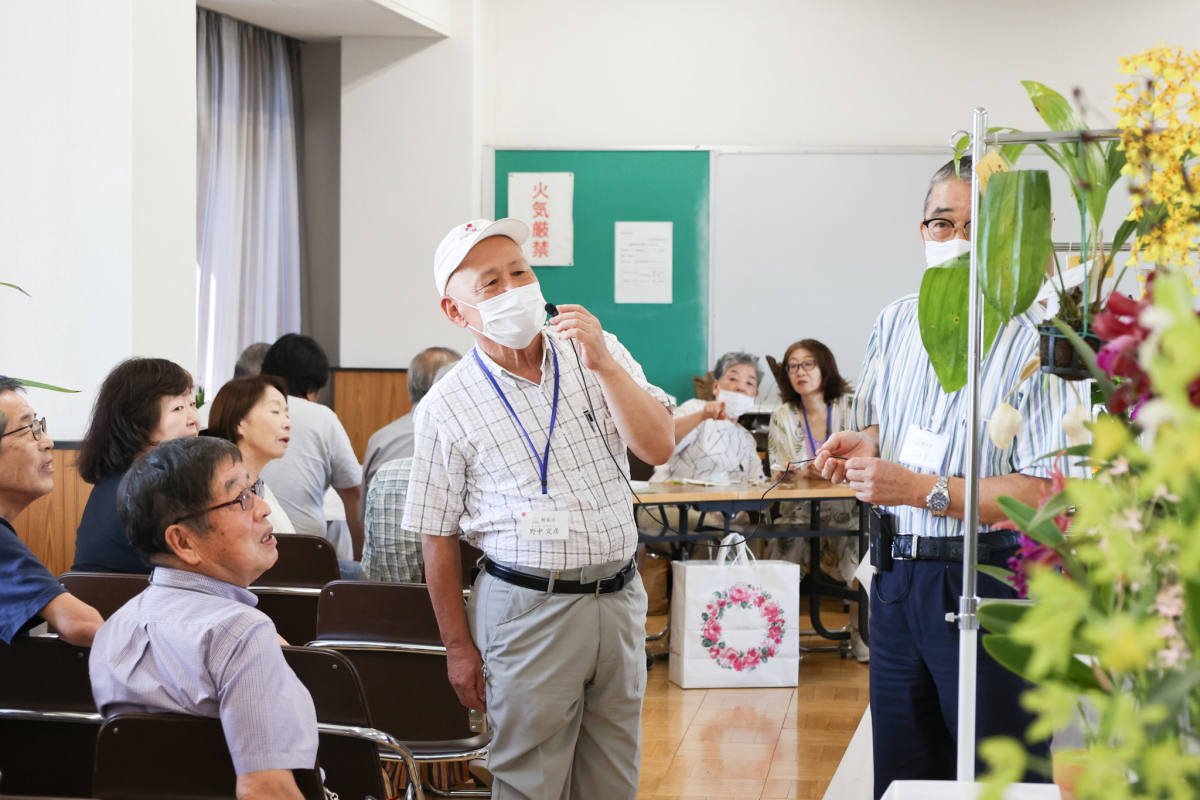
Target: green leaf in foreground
[
  {"x": 18, "y": 288},
  {"x": 1014, "y": 239},
  {"x": 1001, "y": 617},
  {"x": 942, "y": 311},
  {"x": 1015, "y": 657},
  {"x": 36, "y": 385}
]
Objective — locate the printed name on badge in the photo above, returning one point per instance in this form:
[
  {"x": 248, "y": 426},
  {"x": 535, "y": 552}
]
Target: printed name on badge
[
  {"x": 544, "y": 525},
  {"x": 924, "y": 449}
]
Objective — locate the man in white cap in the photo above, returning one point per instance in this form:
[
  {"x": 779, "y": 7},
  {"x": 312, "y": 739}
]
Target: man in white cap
[{"x": 522, "y": 446}]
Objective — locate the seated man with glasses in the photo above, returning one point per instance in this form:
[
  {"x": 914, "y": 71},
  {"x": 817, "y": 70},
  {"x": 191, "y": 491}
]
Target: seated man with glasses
[
  {"x": 193, "y": 643},
  {"x": 29, "y": 594}
]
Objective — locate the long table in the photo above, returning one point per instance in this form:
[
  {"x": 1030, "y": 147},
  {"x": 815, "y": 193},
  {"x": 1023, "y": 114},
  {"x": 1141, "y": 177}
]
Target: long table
[{"x": 731, "y": 500}]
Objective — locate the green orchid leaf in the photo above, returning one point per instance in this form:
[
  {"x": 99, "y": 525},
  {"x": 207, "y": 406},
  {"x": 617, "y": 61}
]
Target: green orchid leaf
[
  {"x": 1058, "y": 504},
  {"x": 1014, "y": 244},
  {"x": 1001, "y": 617},
  {"x": 942, "y": 311},
  {"x": 1005, "y": 576},
  {"x": 1022, "y": 516},
  {"x": 1115, "y": 160},
  {"x": 36, "y": 385},
  {"x": 1191, "y": 613},
  {"x": 18, "y": 288},
  {"x": 1088, "y": 356},
  {"x": 1015, "y": 657},
  {"x": 1073, "y": 450},
  {"x": 1088, "y": 172},
  {"x": 1174, "y": 689}
]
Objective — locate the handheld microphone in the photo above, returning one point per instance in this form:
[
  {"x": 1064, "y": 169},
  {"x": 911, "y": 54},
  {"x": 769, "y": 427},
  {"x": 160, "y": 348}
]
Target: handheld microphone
[{"x": 552, "y": 309}]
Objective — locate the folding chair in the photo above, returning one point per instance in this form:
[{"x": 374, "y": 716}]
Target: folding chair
[
  {"x": 288, "y": 591},
  {"x": 104, "y": 591},
  {"x": 48, "y": 720},
  {"x": 389, "y": 632},
  {"x": 169, "y": 756},
  {"x": 351, "y": 770}
]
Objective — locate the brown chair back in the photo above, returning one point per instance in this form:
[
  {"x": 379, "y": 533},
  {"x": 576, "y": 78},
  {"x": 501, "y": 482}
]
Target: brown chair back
[
  {"x": 365, "y": 611},
  {"x": 303, "y": 561},
  {"x": 294, "y": 615},
  {"x": 352, "y": 768},
  {"x": 166, "y": 756},
  {"x": 330, "y": 678},
  {"x": 45, "y": 674},
  {"x": 46, "y": 756},
  {"x": 408, "y": 692},
  {"x": 104, "y": 591}
]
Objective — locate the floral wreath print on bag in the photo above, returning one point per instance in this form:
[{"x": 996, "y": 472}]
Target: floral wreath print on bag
[{"x": 747, "y": 596}]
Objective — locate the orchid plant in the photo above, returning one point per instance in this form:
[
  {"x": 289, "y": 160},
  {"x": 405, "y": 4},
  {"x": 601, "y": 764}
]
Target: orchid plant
[
  {"x": 35, "y": 384},
  {"x": 1114, "y": 623}
]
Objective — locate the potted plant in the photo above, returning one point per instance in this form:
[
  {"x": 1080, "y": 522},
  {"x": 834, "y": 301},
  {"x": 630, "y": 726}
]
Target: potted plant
[{"x": 1115, "y": 619}]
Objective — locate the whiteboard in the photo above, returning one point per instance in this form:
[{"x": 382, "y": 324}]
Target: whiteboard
[{"x": 815, "y": 244}]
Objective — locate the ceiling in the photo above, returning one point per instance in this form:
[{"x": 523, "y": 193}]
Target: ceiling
[{"x": 316, "y": 20}]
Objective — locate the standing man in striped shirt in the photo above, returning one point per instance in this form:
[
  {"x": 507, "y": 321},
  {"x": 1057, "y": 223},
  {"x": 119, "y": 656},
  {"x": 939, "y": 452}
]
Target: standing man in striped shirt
[
  {"x": 522, "y": 446},
  {"x": 907, "y": 453}
]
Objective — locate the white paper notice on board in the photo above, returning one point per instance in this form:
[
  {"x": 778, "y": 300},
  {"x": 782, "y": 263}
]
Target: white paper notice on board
[
  {"x": 643, "y": 262},
  {"x": 545, "y": 201}
]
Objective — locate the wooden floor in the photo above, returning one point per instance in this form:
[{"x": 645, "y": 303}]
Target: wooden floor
[{"x": 751, "y": 743}]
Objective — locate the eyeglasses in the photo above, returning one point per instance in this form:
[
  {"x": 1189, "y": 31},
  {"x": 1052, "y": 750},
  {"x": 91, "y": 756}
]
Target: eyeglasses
[
  {"x": 37, "y": 428},
  {"x": 807, "y": 366},
  {"x": 942, "y": 230},
  {"x": 245, "y": 500}
]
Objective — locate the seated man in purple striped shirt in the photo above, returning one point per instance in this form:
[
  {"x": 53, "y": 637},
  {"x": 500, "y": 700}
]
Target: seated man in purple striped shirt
[{"x": 193, "y": 643}]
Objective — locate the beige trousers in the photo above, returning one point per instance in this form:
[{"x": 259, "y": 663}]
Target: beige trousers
[{"x": 566, "y": 676}]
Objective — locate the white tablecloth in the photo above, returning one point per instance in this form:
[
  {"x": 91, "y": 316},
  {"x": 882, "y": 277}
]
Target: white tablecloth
[{"x": 952, "y": 790}]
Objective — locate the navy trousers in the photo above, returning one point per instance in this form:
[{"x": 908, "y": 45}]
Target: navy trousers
[{"x": 914, "y": 675}]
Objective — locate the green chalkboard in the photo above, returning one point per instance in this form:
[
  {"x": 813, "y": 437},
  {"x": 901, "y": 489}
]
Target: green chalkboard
[{"x": 670, "y": 341}]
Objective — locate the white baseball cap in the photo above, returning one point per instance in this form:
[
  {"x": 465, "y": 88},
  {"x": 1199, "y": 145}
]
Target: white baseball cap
[{"x": 459, "y": 241}]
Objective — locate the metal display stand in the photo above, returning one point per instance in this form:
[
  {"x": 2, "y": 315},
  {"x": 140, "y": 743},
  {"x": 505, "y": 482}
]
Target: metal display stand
[{"x": 968, "y": 616}]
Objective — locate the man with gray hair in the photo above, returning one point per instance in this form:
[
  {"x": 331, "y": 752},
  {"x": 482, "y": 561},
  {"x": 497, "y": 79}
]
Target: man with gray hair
[
  {"x": 395, "y": 440},
  {"x": 251, "y": 360},
  {"x": 710, "y": 445},
  {"x": 392, "y": 554}
]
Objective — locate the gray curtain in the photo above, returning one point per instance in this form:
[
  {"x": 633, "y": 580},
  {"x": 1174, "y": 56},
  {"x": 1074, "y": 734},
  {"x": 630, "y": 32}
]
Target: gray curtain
[{"x": 248, "y": 214}]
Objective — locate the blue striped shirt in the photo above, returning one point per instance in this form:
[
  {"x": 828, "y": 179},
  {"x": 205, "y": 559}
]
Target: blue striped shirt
[{"x": 898, "y": 388}]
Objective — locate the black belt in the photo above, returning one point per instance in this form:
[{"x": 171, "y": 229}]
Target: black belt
[
  {"x": 950, "y": 548},
  {"x": 539, "y": 584}
]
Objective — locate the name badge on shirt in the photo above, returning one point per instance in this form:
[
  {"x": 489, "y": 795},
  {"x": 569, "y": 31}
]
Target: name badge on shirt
[
  {"x": 924, "y": 449},
  {"x": 544, "y": 522}
]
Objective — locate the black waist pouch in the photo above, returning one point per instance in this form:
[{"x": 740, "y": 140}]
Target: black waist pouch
[{"x": 883, "y": 531}]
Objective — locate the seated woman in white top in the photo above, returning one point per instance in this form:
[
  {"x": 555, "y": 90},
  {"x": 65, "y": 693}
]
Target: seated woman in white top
[
  {"x": 710, "y": 444},
  {"x": 252, "y": 412}
]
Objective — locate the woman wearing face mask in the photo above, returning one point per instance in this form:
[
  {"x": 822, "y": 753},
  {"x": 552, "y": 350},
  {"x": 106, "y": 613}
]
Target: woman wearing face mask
[
  {"x": 710, "y": 445},
  {"x": 143, "y": 402},
  {"x": 252, "y": 413},
  {"x": 816, "y": 404}
]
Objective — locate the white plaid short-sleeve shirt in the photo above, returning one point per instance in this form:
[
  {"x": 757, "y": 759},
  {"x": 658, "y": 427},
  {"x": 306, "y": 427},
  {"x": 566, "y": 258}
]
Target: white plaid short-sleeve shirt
[{"x": 473, "y": 469}]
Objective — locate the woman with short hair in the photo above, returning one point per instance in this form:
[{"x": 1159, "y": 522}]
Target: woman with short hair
[
  {"x": 252, "y": 412},
  {"x": 142, "y": 403}
]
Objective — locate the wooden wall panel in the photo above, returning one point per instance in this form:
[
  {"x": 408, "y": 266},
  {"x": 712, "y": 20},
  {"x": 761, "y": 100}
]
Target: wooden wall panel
[
  {"x": 48, "y": 526},
  {"x": 365, "y": 400}
]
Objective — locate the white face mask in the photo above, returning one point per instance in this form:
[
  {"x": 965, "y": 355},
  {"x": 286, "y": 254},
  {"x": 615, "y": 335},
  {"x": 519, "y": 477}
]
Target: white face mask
[
  {"x": 736, "y": 403},
  {"x": 941, "y": 252},
  {"x": 512, "y": 319}
]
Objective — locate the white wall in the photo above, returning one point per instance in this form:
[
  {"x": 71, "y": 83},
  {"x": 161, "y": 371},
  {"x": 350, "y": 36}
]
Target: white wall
[
  {"x": 97, "y": 211},
  {"x": 803, "y": 72},
  {"x": 409, "y": 173}
]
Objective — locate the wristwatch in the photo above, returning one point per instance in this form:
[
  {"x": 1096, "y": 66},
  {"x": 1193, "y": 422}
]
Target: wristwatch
[{"x": 938, "y": 499}]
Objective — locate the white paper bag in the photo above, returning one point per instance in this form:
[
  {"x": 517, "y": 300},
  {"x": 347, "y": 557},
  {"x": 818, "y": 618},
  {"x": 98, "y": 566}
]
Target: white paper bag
[{"x": 735, "y": 624}]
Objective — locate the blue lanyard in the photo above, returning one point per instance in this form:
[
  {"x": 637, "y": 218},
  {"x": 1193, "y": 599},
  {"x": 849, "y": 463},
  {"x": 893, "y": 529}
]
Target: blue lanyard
[
  {"x": 812, "y": 446},
  {"x": 543, "y": 461}
]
